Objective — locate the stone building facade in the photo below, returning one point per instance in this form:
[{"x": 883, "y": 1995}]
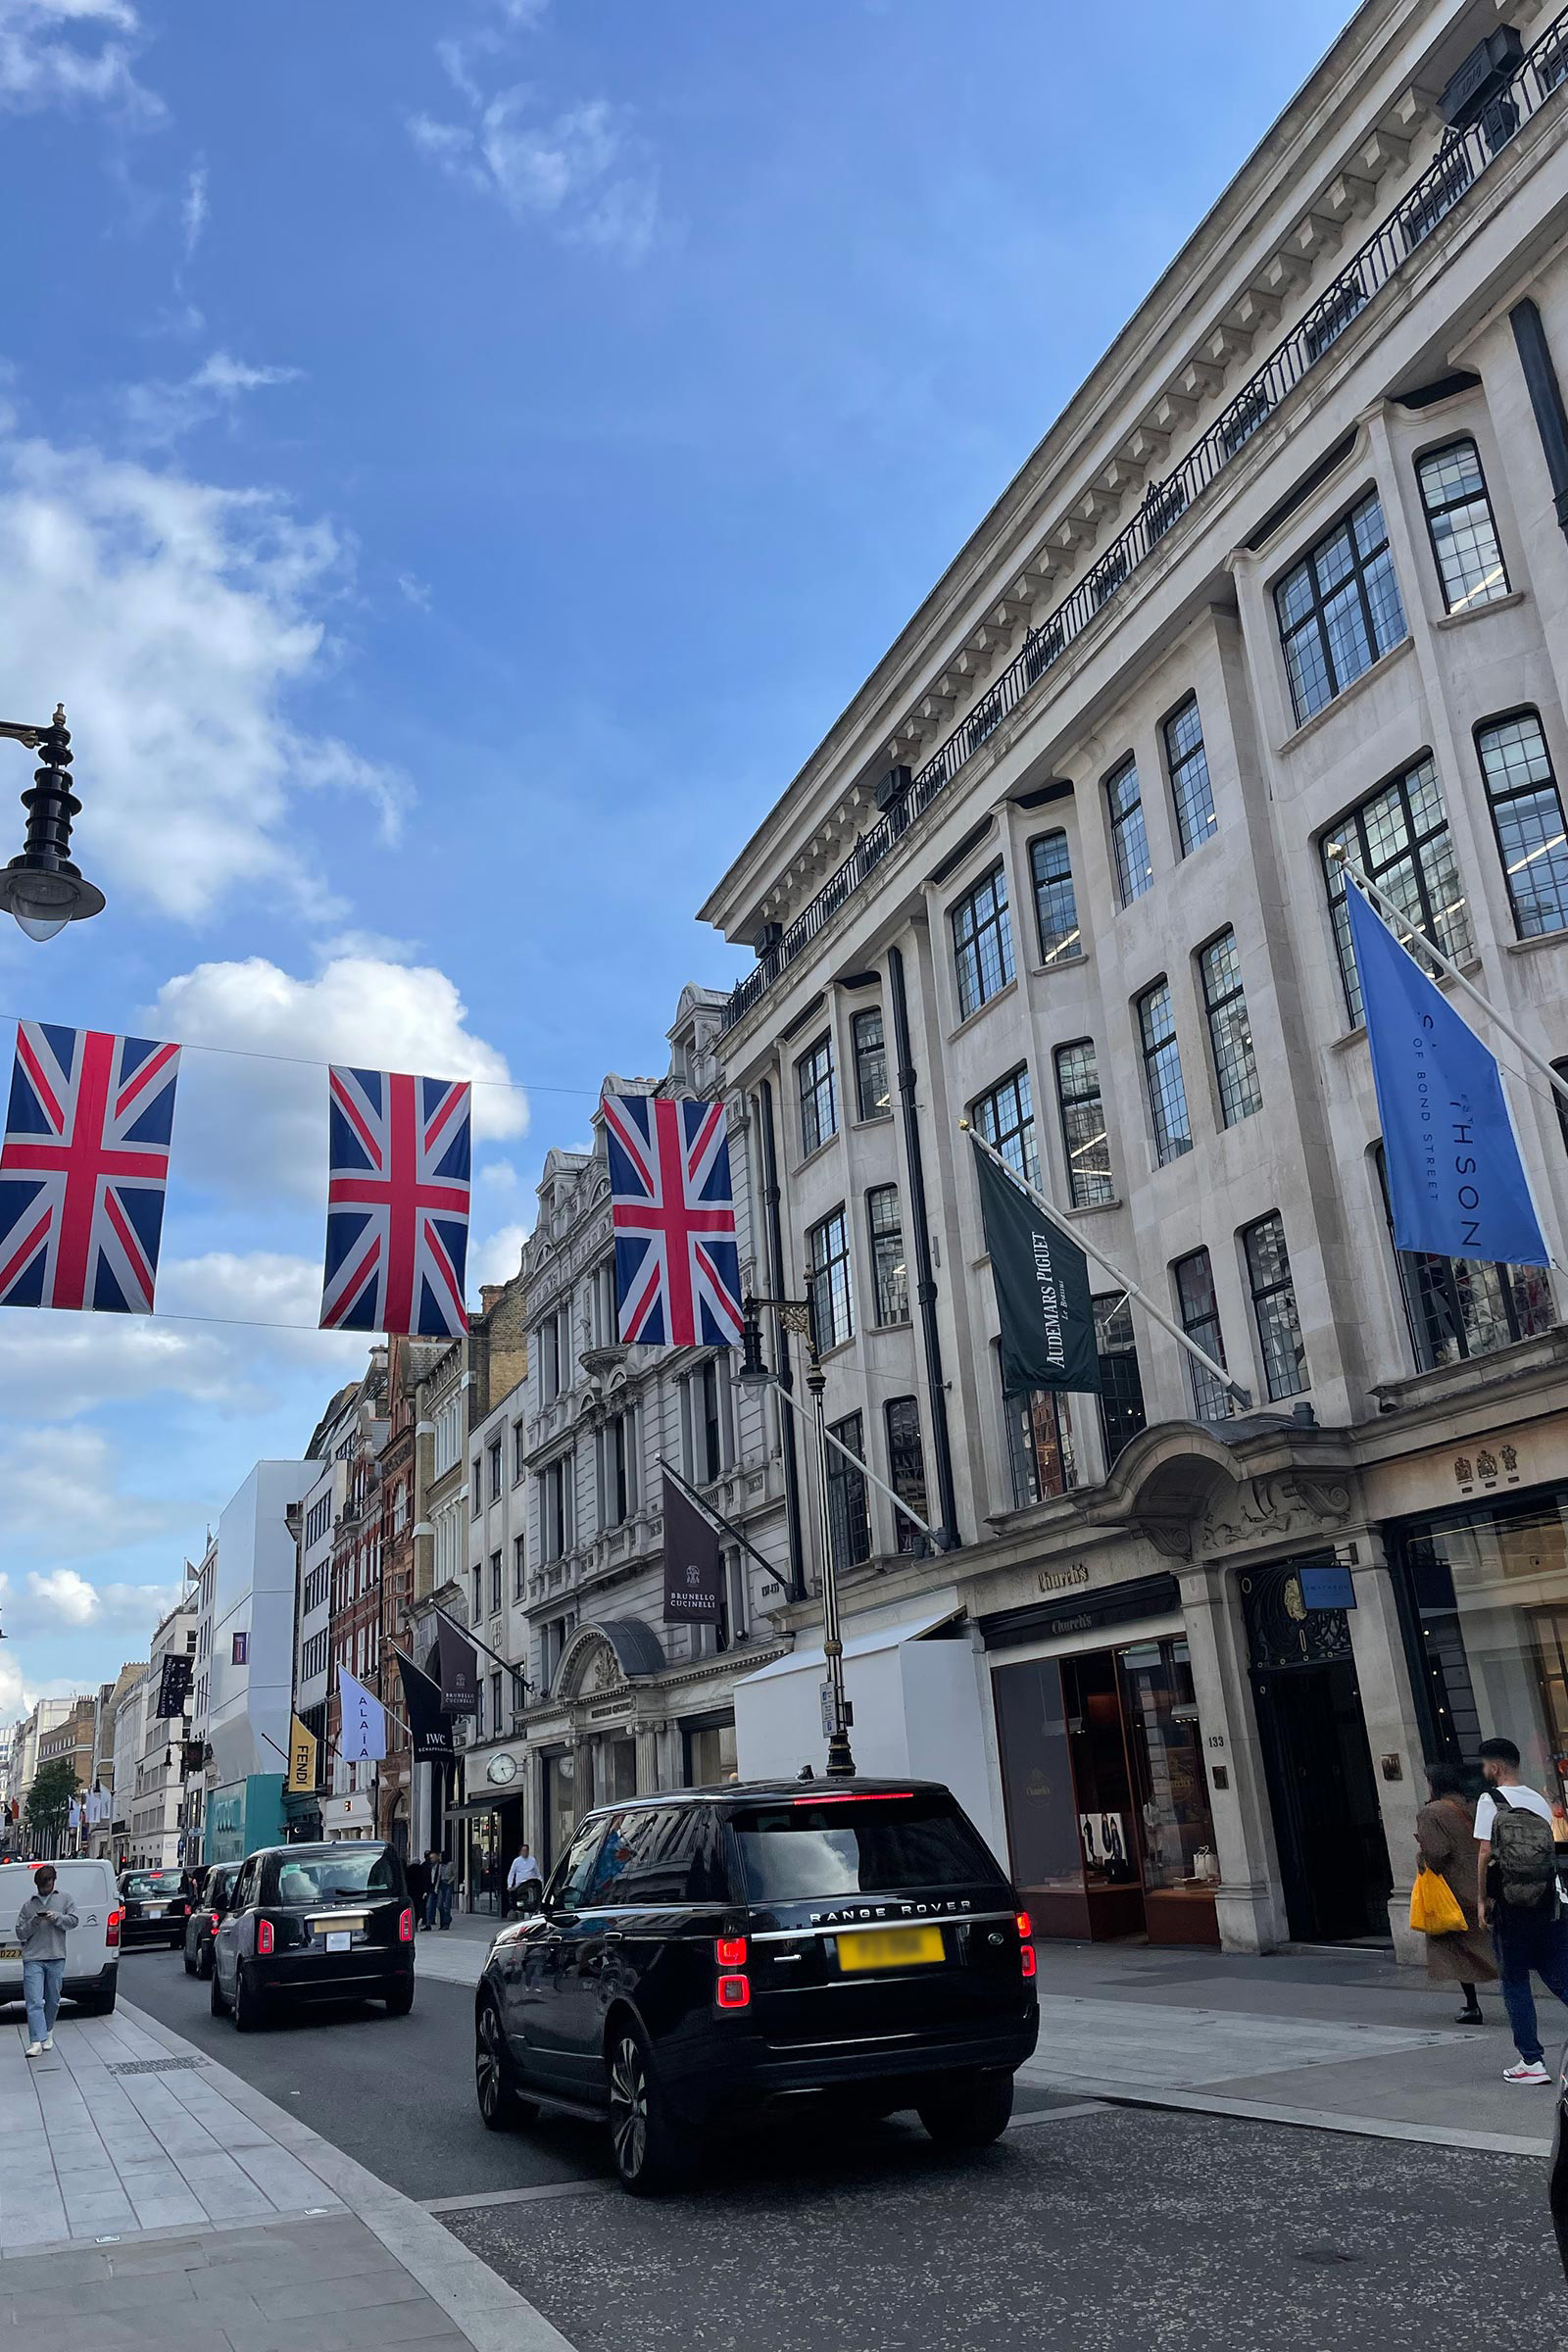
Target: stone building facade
[{"x": 1289, "y": 570}]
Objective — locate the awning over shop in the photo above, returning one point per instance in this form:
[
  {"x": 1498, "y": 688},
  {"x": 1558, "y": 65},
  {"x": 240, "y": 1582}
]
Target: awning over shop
[{"x": 474, "y": 1807}]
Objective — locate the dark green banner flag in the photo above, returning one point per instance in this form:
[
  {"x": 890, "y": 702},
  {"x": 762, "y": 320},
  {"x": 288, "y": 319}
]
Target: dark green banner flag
[{"x": 1042, "y": 1279}]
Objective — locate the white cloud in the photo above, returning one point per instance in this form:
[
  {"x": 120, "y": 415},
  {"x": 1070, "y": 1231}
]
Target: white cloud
[
  {"x": 194, "y": 211},
  {"x": 64, "y": 51},
  {"x": 64, "y": 1593},
  {"x": 415, "y": 590},
  {"x": 581, "y": 170},
  {"x": 159, "y": 413},
  {"x": 498, "y": 1172},
  {"x": 183, "y": 618},
  {"x": 497, "y": 1257},
  {"x": 258, "y": 1127},
  {"x": 62, "y": 1500}
]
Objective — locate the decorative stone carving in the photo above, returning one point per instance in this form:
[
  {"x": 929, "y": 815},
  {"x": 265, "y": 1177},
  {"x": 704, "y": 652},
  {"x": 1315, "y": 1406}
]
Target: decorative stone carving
[
  {"x": 1279, "y": 1503},
  {"x": 1171, "y": 1538}
]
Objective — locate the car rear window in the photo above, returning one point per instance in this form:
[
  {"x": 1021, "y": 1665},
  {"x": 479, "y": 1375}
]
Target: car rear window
[
  {"x": 153, "y": 1881},
  {"x": 838, "y": 1845},
  {"x": 329, "y": 1878}
]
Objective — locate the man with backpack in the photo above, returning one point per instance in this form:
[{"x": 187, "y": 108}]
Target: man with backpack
[{"x": 1516, "y": 1887}]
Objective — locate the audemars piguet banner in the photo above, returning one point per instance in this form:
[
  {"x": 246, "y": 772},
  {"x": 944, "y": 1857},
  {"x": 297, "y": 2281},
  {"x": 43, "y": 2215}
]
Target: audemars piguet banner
[
  {"x": 694, "y": 1570},
  {"x": 421, "y": 1700},
  {"x": 1043, "y": 1304}
]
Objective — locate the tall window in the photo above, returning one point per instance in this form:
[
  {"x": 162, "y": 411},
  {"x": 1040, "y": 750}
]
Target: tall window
[
  {"x": 1527, "y": 810},
  {"x": 819, "y": 1112},
  {"x": 1055, "y": 907},
  {"x": 1339, "y": 609},
  {"x": 907, "y": 1466},
  {"x": 1199, "y": 1313},
  {"x": 827, "y": 1281},
  {"x": 495, "y": 1471},
  {"x": 495, "y": 1703},
  {"x": 1005, "y": 1117},
  {"x": 1190, "y": 787},
  {"x": 1463, "y": 533},
  {"x": 846, "y": 1495},
  {"x": 890, "y": 1274},
  {"x": 555, "y": 1509},
  {"x": 617, "y": 1488},
  {"x": 1083, "y": 1124},
  {"x": 554, "y": 1341},
  {"x": 475, "y": 1489},
  {"x": 1400, "y": 839},
  {"x": 495, "y": 1582},
  {"x": 1230, "y": 1032},
  {"x": 706, "y": 1405},
  {"x": 519, "y": 1451},
  {"x": 1162, "y": 1073},
  {"x": 982, "y": 940},
  {"x": 1457, "y": 1307},
  {"x": 1039, "y": 1444},
  {"x": 1121, "y": 1389},
  {"x": 519, "y": 1566},
  {"x": 1128, "y": 840},
  {"x": 871, "y": 1096},
  {"x": 1279, "y": 1329}
]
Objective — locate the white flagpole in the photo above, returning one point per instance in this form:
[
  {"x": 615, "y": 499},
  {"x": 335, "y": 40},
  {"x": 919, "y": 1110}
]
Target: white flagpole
[
  {"x": 1370, "y": 890},
  {"x": 864, "y": 1468},
  {"x": 1081, "y": 1241}
]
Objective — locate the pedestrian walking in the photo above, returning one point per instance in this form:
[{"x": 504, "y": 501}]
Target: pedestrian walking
[
  {"x": 42, "y": 1923},
  {"x": 418, "y": 1875},
  {"x": 446, "y": 1879},
  {"x": 1516, "y": 1891},
  {"x": 524, "y": 1878},
  {"x": 1446, "y": 1834}
]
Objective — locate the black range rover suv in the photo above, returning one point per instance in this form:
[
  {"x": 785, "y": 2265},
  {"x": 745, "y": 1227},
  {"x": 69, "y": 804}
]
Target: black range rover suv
[{"x": 703, "y": 1956}]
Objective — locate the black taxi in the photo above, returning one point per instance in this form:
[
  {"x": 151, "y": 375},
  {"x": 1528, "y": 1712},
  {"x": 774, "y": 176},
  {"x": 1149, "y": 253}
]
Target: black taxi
[
  {"x": 703, "y": 1956},
  {"x": 314, "y": 1923}
]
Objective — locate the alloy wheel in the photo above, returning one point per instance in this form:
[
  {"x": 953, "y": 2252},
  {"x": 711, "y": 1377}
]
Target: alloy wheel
[
  {"x": 629, "y": 2108},
  {"x": 487, "y": 2063}
]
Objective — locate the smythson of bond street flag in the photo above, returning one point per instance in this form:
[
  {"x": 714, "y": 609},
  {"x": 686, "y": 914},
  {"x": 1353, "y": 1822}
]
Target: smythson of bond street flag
[
  {"x": 397, "y": 1204},
  {"x": 84, "y": 1169},
  {"x": 1456, "y": 1184},
  {"x": 1043, "y": 1304},
  {"x": 694, "y": 1569},
  {"x": 677, "y": 1272},
  {"x": 361, "y": 1738}
]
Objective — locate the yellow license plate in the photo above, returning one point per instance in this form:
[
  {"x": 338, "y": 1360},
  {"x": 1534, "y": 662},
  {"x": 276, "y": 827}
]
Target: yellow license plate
[{"x": 889, "y": 1948}]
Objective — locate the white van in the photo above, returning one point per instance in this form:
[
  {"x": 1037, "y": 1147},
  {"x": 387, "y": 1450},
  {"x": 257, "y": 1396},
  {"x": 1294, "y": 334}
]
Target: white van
[{"x": 92, "y": 1945}]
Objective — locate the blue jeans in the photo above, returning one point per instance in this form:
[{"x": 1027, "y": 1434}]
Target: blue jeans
[
  {"x": 1524, "y": 1941},
  {"x": 41, "y": 1981}
]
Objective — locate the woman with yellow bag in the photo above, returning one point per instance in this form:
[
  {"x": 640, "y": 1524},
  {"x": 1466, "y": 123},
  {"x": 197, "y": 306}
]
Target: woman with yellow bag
[{"x": 1443, "y": 1904}]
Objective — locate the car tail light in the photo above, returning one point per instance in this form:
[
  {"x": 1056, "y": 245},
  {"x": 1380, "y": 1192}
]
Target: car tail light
[
  {"x": 111, "y": 1926},
  {"x": 1026, "y": 1926},
  {"x": 1026, "y": 1959},
  {"x": 406, "y": 1927},
  {"x": 856, "y": 1797},
  {"x": 213, "y": 1918},
  {"x": 731, "y": 1951},
  {"x": 734, "y": 1993},
  {"x": 264, "y": 1936},
  {"x": 1026, "y": 1950}
]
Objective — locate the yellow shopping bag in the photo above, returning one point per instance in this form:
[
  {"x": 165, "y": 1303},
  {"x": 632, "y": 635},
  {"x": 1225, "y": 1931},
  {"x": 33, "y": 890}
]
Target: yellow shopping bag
[{"x": 1434, "y": 1910}]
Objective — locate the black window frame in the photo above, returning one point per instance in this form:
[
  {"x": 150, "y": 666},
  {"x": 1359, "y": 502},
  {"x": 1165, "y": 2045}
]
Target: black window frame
[
  {"x": 497, "y": 1583},
  {"x": 519, "y": 1567},
  {"x": 883, "y": 1241},
  {"x": 1200, "y": 1320},
  {"x": 903, "y": 1447},
  {"x": 1433, "y": 1291},
  {"x": 989, "y": 1105},
  {"x": 986, "y": 923},
  {"x": 820, "y": 1267},
  {"x": 1491, "y": 725},
  {"x": 1281, "y": 1380},
  {"x": 1069, "y": 942},
  {"x": 1122, "y": 1413},
  {"x": 1121, "y": 818},
  {"x": 815, "y": 1087},
  {"x": 1082, "y": 1183},
  {"x": 1361, "y": 566},
  {"x": 1457, "y": 939},
  {"x": 1223, "y": 1055},
  {"x": 1169, "y": 1145},
  {"x": 1473, "y": 601},
  {"x": 1178, "y": 766},
  {"x": 849, "y": 1499},
  {"x": 1038, "y": 1428},
  {"x": 869, "y": 1058}
]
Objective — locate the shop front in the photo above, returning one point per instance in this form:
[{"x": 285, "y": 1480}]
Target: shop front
[{"x": 1104, "y": 1782}]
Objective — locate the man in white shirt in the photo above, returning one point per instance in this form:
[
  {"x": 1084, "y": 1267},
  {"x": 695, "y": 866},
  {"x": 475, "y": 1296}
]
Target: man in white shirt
[
  {"x": 1518, "y": 1899},
  {"x": 524, "y": 1872}
]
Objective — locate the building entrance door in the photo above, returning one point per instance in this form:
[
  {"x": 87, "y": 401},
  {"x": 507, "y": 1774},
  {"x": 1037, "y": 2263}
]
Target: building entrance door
[{"x": 1334, "y": 1860}]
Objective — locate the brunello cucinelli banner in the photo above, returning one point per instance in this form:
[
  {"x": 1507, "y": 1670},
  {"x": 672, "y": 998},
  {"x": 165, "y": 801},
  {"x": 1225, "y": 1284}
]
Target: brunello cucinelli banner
[
  {"x": 1044, "y": 1310},
  {"x": 457, "y": 1668},
  {"x": 694, "y": 1568}
]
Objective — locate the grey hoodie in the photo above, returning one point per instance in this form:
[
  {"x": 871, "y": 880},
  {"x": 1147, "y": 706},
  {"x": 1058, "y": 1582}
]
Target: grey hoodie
[{"x": 41, "y": 1924}]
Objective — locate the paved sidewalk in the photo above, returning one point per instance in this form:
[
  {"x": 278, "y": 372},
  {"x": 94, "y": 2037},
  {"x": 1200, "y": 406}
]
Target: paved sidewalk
[
  {"x": 153, "y": 2198},
  {"x": 455, "y": 1955}
]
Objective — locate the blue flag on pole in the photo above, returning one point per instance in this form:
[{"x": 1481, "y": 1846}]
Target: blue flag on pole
[{"x": 1456, "y": 1184}]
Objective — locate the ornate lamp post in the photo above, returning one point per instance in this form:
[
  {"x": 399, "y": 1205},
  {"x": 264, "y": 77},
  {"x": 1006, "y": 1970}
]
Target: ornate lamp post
[{"x": 41, "y": 887}]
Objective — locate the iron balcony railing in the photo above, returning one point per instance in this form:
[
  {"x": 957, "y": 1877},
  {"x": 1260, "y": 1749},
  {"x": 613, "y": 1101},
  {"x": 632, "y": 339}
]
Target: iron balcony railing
[{"x": 1462, "y": 160}]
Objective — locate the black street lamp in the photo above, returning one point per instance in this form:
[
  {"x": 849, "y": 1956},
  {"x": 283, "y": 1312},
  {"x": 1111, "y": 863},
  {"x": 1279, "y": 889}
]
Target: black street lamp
[
  {"x": 41, "y": 887},
  {"x": 795, "y": 1314}
]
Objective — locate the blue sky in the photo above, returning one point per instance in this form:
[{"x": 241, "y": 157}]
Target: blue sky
[{"x": 456, "y": 457}]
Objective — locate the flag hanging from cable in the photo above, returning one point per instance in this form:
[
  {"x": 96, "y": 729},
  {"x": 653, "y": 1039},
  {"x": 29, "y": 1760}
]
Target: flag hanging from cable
[
  {"x": 84, "y": 1169},
  {"x": 362, "y": 1734},
  {"x": 1457, "y": 1183},
  {"x": 397, "y": 1204},
  {"x": 677, "y": 1269}
]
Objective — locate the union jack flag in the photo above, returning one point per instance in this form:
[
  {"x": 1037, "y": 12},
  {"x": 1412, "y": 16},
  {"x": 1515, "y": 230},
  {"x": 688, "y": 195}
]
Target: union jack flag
[
  {"x": 397, "y": 1204},
  {"x": 677, "y": 1269},
  {"x": 84, "y": 1169}
]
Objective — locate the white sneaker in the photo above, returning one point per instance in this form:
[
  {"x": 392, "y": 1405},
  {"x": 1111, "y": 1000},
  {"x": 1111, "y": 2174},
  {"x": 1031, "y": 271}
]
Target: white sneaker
[
  {"x": 48, "y": 2041},
  {"x": 35, "y": 2049},
  {"x": 1528, "y": 2070}
]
